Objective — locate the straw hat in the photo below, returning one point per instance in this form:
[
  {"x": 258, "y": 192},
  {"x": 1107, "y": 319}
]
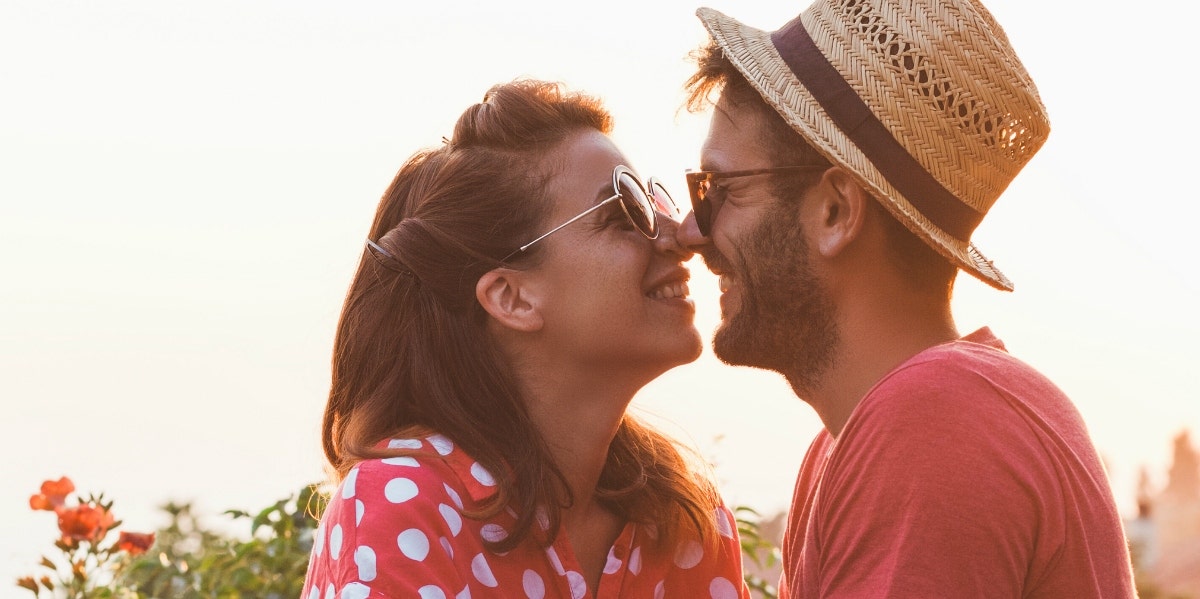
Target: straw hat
[{"x": 924, "y": 101}]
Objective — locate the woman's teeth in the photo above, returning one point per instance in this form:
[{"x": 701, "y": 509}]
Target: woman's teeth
[{"x": 671, "y": 290}]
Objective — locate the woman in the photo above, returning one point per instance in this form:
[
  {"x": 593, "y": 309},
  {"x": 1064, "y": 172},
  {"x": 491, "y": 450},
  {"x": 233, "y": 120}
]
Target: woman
[{"x": 517, "y": 288}]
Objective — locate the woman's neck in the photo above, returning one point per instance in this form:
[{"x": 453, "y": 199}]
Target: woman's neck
[{"x": 578, "y": 423}]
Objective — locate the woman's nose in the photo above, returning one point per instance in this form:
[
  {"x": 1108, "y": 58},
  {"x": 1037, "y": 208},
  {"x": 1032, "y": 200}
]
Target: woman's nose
[{"x": 668, "y": 239}]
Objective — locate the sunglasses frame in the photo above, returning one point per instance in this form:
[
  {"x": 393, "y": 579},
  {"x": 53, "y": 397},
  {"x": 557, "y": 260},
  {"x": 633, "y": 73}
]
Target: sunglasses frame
[
  {"x": 702, "y": 207},
  {"x": 646, "y": 189}
]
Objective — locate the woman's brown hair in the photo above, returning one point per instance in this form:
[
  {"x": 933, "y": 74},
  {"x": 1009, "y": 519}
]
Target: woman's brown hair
[{"x": 412, "y": 349}]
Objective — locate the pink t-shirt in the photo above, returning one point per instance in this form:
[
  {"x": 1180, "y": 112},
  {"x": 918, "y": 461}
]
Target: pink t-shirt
[
  {"x": 962, "y": 473},
  {"x": 395, "y": 529}
]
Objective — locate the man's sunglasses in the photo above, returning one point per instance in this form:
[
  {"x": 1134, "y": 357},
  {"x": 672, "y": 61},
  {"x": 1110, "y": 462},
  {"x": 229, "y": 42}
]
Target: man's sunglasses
[
  {"x": 641, "y": 203},
  {"x": 700, "y": 182}
]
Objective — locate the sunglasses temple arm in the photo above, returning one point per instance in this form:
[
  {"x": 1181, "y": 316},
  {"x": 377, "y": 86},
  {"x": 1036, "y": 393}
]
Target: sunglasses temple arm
[{"x": 577, "y": 217}]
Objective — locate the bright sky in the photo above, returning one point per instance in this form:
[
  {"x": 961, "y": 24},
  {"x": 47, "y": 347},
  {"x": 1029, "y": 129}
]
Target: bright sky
[{"x": 184, "y": 190}]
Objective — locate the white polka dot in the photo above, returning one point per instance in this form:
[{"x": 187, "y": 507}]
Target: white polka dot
[
  {"x": 613, "y": 564},
  {"x": 635, "y": 561},
  {"x": 453, "y": 496},
  {"x": 314, "y": 593},
  {"x": 443, "y": 445},
  {"x": 453, "y": 520},
  {"x": 465, "y": 594},
  {"x": 360, "y": 508},
  {"x": 447, "y": 547},
  {"x": 723, "y": 525},
  {"x": 688, "y": 555},
  {"x": 330, "y": 592},
  {"x": 483, "y": 572},
  {"x": 493, "y": 533},
  {"x": 349, "y": 483},
  {"x": 319, "y": 541},
  {"x": 482, "y": 475},
  {"x": 355, "y": 590},
  {"x": 578, "y": 585},
  {"x": 364, "y": 558},
  {"x": 399, "y": 490},
  {"x": 554, "y": 561},
  {"x": 404, "y": 444},
  {"x": 402, "y": 461},
  {"x": 535, "y": 587},
  {"x": 721, "y": 588},
  {"x": 431, "y": 592},
  {"x": 413, "y": 544},
  {"x": 659, "y": 590},
  {"x": 335, "y": 541}
]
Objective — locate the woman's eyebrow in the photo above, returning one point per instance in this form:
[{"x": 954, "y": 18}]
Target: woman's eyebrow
[{"x": 606, "y": 191}]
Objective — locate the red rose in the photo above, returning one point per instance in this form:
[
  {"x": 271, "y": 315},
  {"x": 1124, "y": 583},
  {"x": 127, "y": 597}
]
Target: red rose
[
  {"x": 84, "y": 523},
  {"x": 54, "y": 494},
  {"x": 135, "y": 543}
]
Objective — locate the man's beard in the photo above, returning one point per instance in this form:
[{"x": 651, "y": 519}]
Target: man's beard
[{"x": 785, "y": 319}]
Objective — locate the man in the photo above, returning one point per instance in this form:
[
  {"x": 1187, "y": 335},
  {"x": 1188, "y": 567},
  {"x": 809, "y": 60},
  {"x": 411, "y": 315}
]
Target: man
[{"x": 851, "y": 154}]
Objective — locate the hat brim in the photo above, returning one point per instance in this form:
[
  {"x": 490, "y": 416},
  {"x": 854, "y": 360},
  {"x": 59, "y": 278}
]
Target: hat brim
[{"x": 754, "y": 55}]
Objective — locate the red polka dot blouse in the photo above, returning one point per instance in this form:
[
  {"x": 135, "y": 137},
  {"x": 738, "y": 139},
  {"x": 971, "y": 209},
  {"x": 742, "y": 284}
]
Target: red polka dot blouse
[{"x": 395, "y": 529}]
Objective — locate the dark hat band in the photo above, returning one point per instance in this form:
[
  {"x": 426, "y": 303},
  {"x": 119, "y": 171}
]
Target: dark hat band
[{"x": 848, "y": 111}]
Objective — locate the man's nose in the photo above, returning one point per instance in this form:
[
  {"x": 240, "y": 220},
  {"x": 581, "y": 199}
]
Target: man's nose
[{"x": 688, "y": 234}]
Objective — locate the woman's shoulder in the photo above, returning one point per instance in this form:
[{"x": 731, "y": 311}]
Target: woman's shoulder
[{"x": 424, "y": 465}]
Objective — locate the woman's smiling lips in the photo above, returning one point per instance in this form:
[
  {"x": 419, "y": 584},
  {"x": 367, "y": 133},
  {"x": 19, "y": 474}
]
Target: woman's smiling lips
[{"x": 672, "y": 286}]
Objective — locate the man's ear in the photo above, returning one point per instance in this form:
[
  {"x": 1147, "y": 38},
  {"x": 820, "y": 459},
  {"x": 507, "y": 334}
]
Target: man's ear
[
  {"x": 503, "y": 295},
  {"x": 842, "y": 212}
]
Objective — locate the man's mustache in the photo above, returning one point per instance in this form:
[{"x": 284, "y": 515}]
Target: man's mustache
[{"x": 714, "y": 261}]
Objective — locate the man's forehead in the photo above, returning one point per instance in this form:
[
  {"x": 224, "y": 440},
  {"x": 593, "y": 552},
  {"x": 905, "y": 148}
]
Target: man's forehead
[{"x": 734, "y": 138}]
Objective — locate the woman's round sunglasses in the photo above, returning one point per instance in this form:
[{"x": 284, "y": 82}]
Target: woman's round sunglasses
[{"x": 641, "y": 203}]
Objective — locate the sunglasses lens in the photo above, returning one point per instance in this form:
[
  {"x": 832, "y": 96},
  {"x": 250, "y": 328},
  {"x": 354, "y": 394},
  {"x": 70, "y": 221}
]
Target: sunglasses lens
[
  {"x": 700, "y": 206},
  {"x": 662, "y": 200},
  {"x": 639, "y": 208}
]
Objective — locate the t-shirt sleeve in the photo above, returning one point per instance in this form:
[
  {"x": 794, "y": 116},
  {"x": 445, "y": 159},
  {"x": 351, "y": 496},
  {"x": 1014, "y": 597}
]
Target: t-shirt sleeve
[
  {"x": 924, "y": 498},
  {"x": 396, "y": 532}
]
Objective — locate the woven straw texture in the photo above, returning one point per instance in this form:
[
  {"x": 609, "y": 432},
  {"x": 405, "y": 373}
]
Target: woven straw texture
[{"x": 940, "y": 75}]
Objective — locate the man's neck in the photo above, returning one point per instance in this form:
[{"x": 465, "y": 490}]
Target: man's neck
[{"x": 873, "y": 341}]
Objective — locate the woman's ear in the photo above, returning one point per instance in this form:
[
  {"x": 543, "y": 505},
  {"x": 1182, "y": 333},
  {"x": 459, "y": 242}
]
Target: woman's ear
[
  {"x": 843, "y": 207},
  {"x": 503, "y": 294}
]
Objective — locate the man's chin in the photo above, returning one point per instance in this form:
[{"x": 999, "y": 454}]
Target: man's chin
[{"x": 734, "y": 346}]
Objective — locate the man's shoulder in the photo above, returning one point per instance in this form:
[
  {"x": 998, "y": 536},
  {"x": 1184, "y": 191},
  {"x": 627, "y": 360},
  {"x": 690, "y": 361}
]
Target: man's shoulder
[
  {"x": 976, "y": 366},
  {"x": 962, "y": 401}
]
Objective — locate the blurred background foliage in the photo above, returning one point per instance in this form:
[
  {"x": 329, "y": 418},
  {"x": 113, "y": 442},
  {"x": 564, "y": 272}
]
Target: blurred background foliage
[{"x": 192, "y": 561}]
